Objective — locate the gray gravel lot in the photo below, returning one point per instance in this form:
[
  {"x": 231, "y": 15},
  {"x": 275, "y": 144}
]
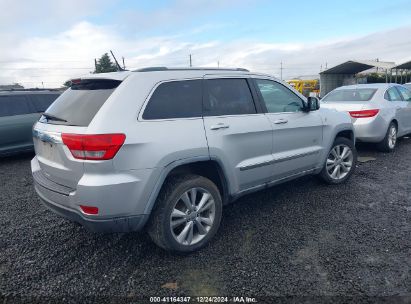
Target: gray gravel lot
[{"x": 302, "y": 238}]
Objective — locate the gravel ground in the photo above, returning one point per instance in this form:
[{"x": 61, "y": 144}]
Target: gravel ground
[{"x": 302, "y": 238}]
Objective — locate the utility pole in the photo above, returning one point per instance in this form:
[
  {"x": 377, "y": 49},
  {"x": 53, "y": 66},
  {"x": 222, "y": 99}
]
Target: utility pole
[
  {"x": 95, "y": 64},
  {"x": 191, "y": 63},
  {"x": 218, "y": 63},
  {"x": 115, "y": 60},
  {"x": 124, "y": 65},
  {"x": 281, "y": 70}
]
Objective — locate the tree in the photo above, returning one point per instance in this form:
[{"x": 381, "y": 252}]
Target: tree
[
  {"x": 105, "y": 65},
  {"x": 67, "y": 84},
  {"x": 371, "y": 78}
]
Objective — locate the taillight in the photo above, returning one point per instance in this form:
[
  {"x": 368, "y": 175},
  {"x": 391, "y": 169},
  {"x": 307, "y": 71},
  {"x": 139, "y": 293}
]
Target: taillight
[
  {"x": 364, "y": 113},
  {"x": 93, "y": 147}
]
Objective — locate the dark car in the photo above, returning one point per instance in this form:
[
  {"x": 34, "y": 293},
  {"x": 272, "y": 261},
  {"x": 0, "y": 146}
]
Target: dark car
[{"x": 19, "y": 110}]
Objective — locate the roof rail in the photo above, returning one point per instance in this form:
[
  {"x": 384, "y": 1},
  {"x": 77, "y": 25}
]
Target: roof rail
[{"x": 154, "y": 69}]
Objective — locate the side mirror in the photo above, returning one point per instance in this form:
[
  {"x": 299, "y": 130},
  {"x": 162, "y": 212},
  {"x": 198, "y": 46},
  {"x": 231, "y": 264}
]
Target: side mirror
[{"x": 313, "y": 104}]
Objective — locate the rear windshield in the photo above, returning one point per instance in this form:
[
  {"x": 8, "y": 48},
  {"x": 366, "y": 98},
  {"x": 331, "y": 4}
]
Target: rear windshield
[
  {"x": 78, "y": 105},
  {"x": 350, "y": 95}
]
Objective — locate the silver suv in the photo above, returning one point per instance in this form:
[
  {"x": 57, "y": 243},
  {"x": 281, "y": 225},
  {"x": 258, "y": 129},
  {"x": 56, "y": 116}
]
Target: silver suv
[{"x": 165, "y": 149}]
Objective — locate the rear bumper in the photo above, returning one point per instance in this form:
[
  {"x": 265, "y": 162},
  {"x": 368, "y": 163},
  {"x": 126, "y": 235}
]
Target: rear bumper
[
  {"x": 370, "y": 129},
  {"x": 119, "y": 224},
  {"x": 121, "y": 200}
]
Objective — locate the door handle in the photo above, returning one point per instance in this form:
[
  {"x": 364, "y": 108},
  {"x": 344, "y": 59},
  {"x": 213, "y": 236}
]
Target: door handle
[
  {"x": 280, "y": 121},
  {"x": 218, "y": 126}
]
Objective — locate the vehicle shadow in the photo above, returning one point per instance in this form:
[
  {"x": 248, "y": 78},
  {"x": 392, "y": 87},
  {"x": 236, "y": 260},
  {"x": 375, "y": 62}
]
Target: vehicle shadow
[{"x": 21, "y": 156}]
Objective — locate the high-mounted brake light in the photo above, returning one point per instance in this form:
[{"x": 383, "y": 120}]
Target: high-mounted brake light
[
  {"x": 364, "y": 113},
  {"x": 76, "y": 81},
  {"x": 93, "y": 147}
]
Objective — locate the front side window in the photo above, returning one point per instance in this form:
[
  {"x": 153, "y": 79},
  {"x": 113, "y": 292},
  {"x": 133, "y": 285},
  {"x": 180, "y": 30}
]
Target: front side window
[
  {"x": 12, "y": 105},
  {"x": 228, "y": 96},
  {"x": 175, "y": 99},
  {"x": 278, "y": 98},
  {"x": 406, "y": 94},
  {"x": 392, "y": 95}
]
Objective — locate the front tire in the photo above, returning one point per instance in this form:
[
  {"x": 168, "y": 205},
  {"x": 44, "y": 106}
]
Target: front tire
[
  {"x": 390, "y": 140},
  {"x": 340, "y": 162},
  {"x": 187, "y": 214}
]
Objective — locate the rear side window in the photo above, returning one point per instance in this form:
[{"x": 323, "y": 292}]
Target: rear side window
[
  {"x": 41, "y": 102},
  {"x": 175, "y": 99},
  {"x": 350, "y": 95},
  {"x": 14, "y": 105},
  {"x": 392, "y": 95},
  {"x": 406, "y": 94},
  {"x": 78, "y": 105},
  {"x": 228, "y": 97}
]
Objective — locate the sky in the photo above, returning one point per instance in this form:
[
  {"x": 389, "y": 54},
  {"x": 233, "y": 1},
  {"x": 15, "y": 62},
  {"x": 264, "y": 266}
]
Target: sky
[{"x": 45, "y": 43}]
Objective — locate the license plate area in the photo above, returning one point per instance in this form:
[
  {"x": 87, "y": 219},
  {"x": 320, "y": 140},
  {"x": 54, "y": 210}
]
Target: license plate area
[{"x": 46, "y": 150}]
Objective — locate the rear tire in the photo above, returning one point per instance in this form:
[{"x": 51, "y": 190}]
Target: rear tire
[
  {"x": 187, "y": 214},
  {"x": 340, "y": 163},
  {"x": 389, "y": 142}
]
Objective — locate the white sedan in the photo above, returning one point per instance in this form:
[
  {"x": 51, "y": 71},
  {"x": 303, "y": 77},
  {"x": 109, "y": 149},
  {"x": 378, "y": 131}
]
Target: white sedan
[{"x": 380, "y": 112}]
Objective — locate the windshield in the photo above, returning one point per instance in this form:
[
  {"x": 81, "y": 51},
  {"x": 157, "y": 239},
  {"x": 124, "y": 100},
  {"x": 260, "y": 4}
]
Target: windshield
[
  {"x": 350, "y": 95},
  {"x": 78, "y": 105}
]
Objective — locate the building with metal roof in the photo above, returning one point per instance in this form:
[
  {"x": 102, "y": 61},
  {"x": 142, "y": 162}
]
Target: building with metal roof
[
  {"x": 403, "y": 66},
  {"x": 402, "y": 72},
  {"x": 344, "y": 73}
]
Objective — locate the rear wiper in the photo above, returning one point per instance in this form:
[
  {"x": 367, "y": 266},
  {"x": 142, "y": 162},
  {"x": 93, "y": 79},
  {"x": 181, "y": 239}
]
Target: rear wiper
[{"x": 52, "y": 117}]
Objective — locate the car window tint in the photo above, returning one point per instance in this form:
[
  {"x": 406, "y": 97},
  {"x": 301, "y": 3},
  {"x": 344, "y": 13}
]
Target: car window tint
[
  {"x": 392, "y": 95},
  {"x": 406, "y": 94},
  {"x": 42, "y": 101},
  {"x": 175, "y": 99},
  {"x": 278, "y": 98},
  {"x": 78, "y": 105},
  {"x": 228, "y": 97},
  {"x": 349, "y": 95},
  {"x": 14, "y": 105}
]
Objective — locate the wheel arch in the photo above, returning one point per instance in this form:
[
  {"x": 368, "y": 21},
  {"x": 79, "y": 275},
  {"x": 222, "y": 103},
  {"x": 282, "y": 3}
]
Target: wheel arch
[
  {"x": 347, "y": 133},
  {"x": 394, "y": 120},
  {"x": 204, "y": 166}
]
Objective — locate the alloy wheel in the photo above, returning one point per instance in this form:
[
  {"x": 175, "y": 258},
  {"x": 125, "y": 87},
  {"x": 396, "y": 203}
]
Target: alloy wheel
[
  {"x": 192, "y": 216},
  {"x": 392, "y": 137},
  {"x": 339, "y": 162}
]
